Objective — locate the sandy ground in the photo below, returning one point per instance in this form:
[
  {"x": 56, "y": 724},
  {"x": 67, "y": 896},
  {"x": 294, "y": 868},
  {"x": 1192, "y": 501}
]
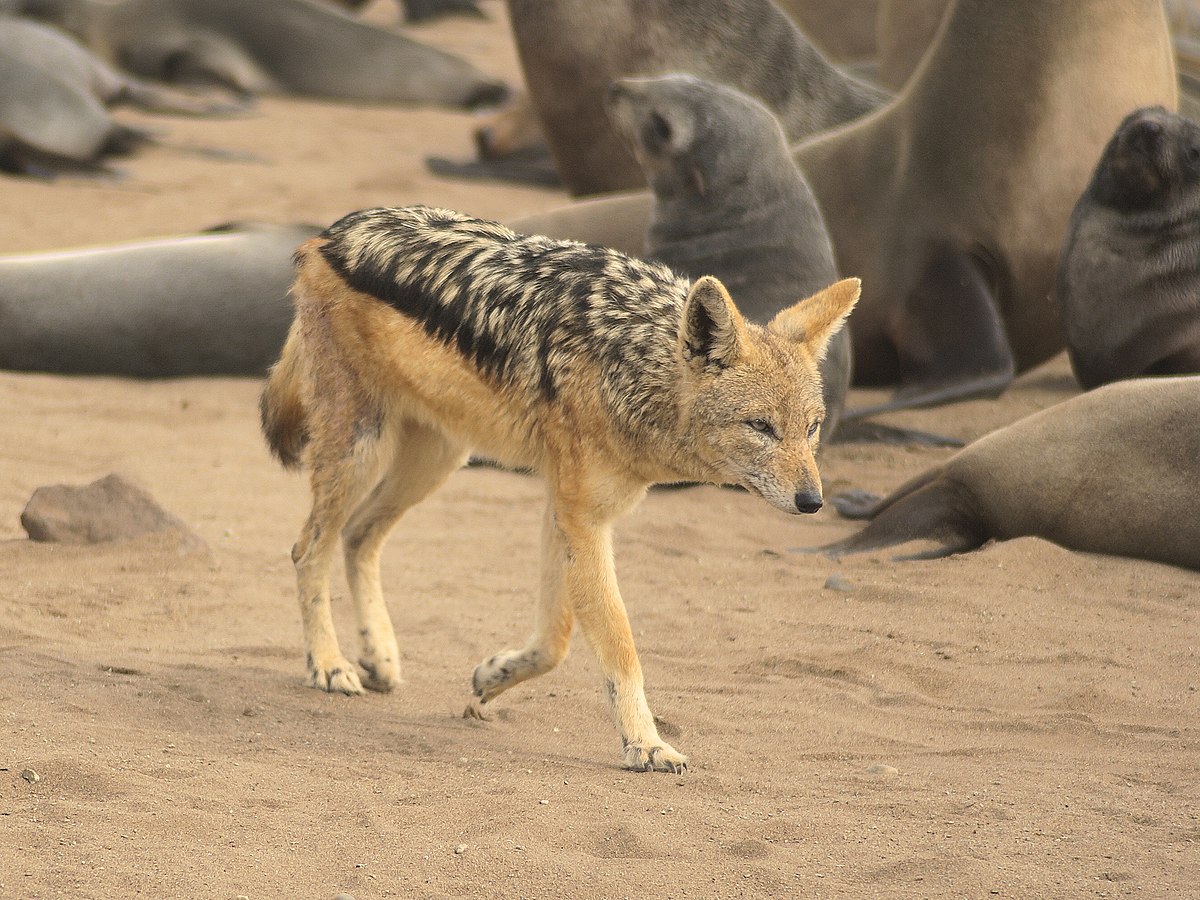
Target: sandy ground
[{"x": 1023, "y": 721}]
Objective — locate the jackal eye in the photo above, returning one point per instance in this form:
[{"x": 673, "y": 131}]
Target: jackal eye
[
  {"x": 762, "y": 426},
  {"x": 813, "y": 429}
]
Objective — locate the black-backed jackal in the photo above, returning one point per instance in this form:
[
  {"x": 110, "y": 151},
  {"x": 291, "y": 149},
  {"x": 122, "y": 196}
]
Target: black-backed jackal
[{"x": 421, "y": 334}]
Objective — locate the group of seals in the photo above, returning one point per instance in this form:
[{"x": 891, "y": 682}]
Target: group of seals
[
  {"x": 729, "y": 202},
  {"x": 55, "y": 96},
  {"x": 1115, "y": 470},
  {"x": 951, "y": 202},
  {"x": 301, "y": 47},
  {"x": 205, "y": 304},
  {"x": 572, "y": 49}
]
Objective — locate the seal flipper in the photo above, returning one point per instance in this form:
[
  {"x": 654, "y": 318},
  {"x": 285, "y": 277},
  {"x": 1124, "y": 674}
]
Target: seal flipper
[
  {"x": 949, "y": 337},
  {"x": 928, "y": 508}
]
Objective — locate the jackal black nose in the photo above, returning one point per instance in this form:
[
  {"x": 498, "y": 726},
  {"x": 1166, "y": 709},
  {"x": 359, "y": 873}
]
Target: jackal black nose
[{"x": 808, "y": 501}]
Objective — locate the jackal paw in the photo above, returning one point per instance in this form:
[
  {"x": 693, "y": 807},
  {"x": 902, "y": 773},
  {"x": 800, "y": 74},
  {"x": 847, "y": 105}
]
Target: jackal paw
[
  {"x": 336, "y": 676},
  {"x": 653, "y": 757},
  {"x": 495, "y": 674},
  {"x": 382, "y": 675}
]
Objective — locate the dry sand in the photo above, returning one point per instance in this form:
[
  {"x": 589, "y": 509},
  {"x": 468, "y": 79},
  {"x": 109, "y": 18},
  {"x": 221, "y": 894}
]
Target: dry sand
[{"x": 1023, "y": 721}]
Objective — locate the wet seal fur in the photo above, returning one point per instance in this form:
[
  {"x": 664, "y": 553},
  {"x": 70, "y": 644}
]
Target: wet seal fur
[
  {"x": 202, "y": 304},
  {"x": 729, "y": 202},
  {"x": 1115, "y": 470},
  {"x": 1129, "y": 277},
  {"x": 571, "y": 50},
  {"x": 301, "y": 47},
  {"x": 420, "y": 333}
]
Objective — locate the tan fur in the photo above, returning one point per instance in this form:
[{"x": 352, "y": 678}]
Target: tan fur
[{"x": 391, "y": 411}]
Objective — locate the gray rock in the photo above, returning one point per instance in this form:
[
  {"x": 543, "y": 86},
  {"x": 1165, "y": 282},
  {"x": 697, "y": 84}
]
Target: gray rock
[{"x": 110, "y": 509}]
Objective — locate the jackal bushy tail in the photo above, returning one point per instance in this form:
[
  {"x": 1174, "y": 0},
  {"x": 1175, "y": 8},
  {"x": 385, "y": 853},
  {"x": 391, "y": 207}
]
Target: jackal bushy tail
[{"x": 281, "y": 406}]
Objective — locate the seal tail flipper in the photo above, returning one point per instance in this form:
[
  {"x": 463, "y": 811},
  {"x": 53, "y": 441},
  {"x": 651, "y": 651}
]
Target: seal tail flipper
[
  {"x": 928, "y": 508},
  {"x": 281, "y": 406}
]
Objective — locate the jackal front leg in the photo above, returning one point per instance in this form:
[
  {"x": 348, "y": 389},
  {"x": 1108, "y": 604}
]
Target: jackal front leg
[{"x": 591, "y": 583}]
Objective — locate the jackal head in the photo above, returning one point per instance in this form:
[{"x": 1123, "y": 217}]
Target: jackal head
[{"x": 753, "y": 406}]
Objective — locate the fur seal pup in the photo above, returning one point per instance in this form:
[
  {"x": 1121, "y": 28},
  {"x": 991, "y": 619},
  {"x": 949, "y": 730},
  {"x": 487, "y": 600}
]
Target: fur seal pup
[
  {"x": 54, "y": 99},
  {"x": 729, "y": 202},
  {"x": 204, "y": 304},
  {"x": 571, "y": 50},
  {"x": 1129, "y": 276},
  {"x": 1115, "y": 470},
  {"x": 951, "y": 202},
  {"x": 301, "y": 47}
]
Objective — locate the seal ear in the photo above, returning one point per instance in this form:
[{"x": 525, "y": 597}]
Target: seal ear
[
  {"x": 814, "y": 321},
  {"x": 711, "y": 330}
]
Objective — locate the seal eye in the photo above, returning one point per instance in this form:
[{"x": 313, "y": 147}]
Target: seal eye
[
  {"x": 1192, "y": 152},
  {"x": 656, "y": 133},
  {"x": 813, "y": 429},
  {"x": 762, "y": 426}
]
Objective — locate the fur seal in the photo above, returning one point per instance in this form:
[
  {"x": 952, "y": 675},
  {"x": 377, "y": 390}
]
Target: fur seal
[
  {"x": 571, "y": 50},
  {"x": 1129, "y": 276},
  {"x": 905, "y": 30},
  {"x": 729, "y": 202},
  {"x": 1093, "y": 473},
  {"x": 1184, "y": 16},
  {"x": 301, "y": 47},
  {"x": 844, "y": 29},
  {"x": 952, "y": 201},
  {"x": 53, "y": 104},
  {"x": 425, "y": 10},
  {"x": 204, "y": 304}
]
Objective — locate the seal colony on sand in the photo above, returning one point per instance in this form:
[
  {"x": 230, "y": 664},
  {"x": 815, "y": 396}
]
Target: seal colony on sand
[
  {"x": 571, "y": 50},
  {"x": 54, "y": 99},
  {"x": 1116, "y": 470},
  {"x": 300, "y": 47},
  {"x": 729, "y": 202},
  {"x": 1129, "y": 277},
  {"x": 204, "y": 304},
  {"x": 957, "y": 262}
]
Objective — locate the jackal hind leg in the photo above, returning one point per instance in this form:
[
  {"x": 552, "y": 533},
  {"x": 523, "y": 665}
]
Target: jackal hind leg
[
  {"x": 422, "y": 460},
  {"x": 342, "y": 471},
  {"x": 551, "y": 638}
]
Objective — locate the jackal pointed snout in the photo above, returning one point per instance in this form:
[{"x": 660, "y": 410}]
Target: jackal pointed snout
[{"x": 808, "y": 501}]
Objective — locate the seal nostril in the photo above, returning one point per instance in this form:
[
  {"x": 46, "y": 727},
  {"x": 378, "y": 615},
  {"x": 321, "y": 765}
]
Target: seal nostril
[{"x": 614, "y": 92}]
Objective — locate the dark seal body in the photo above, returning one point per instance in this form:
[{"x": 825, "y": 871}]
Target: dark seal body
[
  {"x": 204, "y": 304},
  {"x": 1129, "y": 277},
  {"x": 1115, "y": 470}
]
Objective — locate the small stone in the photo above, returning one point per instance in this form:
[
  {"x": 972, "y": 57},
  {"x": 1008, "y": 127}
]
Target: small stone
[
  {"x": 544, "y": 802},
  {"x": 344, "y": 897},
  {"x": 31, "y": 776},
  {"x": 882, "y": 769},
  {"x": 460, "y": 849},
  {"x": 836, "y": 582},
  {"x": 109, "y": 509}
]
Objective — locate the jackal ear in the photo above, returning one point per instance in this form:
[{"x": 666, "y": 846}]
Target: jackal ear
[
  {"x": 712, "y": 326},
  {"x": 814, "y": 321}
]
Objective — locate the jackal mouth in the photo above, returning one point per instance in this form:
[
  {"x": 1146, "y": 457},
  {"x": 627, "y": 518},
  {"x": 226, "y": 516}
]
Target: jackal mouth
[{"x": 774, "y": 498}]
